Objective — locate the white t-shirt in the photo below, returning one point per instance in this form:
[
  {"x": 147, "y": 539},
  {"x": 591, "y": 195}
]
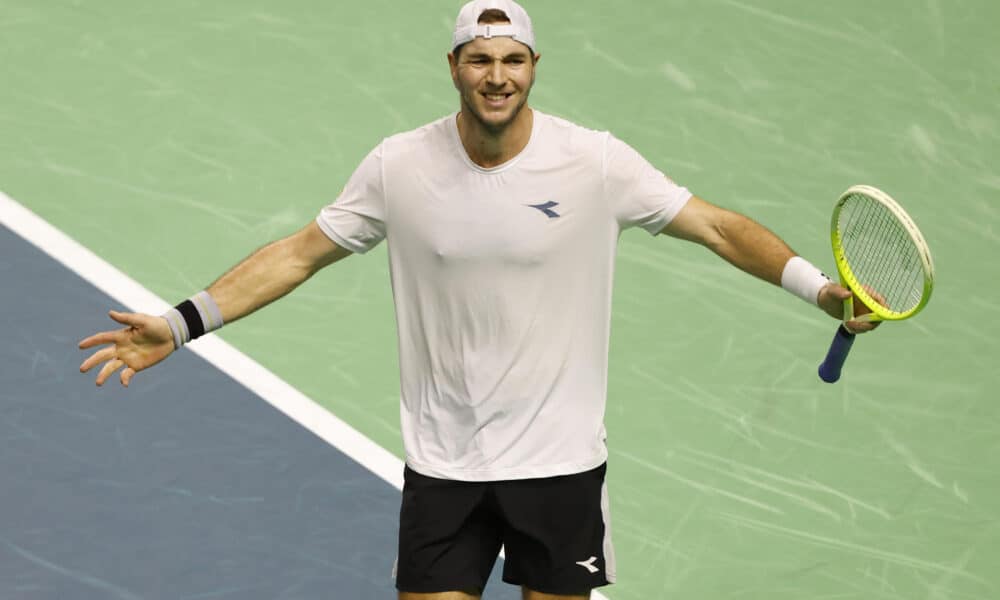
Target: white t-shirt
[{"x": 502, "y": 281}]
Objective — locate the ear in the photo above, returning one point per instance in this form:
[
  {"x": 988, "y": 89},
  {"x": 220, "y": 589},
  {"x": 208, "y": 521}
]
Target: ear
[{"x": 453, "y": 66}]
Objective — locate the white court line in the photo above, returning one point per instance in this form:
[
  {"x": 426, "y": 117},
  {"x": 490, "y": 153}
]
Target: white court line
[
  {"x": 213, "y": 349},
  {"x": 243, "y": 369}
]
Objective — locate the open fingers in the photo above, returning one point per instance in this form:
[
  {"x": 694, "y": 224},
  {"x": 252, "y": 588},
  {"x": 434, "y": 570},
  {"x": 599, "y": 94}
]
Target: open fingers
[
  {"x": 108, "y": 370},
  {"x": 97, "y": 357},
  {"x": 130, "y": 319},
  {"x": 111, "y": 337},
  {"x": 105, "y": 337},
  {"x": 127, "y": 374}
]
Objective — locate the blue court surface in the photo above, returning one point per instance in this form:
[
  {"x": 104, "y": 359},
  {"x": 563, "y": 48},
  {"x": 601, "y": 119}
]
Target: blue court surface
[{"x": 186, "y": 486}]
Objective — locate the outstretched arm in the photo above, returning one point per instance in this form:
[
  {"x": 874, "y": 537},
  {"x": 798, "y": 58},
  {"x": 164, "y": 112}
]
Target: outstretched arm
[
  {"x": 753, "y": 248},
  {"x": 262, "y": 278},
  {"x": 273, "y": 271}
]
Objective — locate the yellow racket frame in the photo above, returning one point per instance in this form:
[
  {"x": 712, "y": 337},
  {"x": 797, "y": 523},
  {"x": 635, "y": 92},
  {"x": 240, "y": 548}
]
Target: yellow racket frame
[{"x": 847, "y": 277}]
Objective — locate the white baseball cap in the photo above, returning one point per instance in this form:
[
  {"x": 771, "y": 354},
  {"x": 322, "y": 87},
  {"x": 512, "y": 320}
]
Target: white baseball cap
[{"x": 467, "y": 27}]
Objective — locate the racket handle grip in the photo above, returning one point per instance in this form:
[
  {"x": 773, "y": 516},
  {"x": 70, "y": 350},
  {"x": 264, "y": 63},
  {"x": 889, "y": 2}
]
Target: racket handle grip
[{"x": 829, "y": 371}]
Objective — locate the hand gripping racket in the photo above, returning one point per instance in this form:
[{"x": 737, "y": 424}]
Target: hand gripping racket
[{"x": 879, "y": 253}]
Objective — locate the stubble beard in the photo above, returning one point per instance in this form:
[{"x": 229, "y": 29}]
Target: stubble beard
[{"x": 491, "y": 127}]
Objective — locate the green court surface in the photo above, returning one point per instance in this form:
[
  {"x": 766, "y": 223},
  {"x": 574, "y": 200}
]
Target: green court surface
[{"x": 173, "y": 138}]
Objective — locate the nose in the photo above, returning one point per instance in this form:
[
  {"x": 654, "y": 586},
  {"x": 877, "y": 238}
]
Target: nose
[{"x": 495, "y": 73}]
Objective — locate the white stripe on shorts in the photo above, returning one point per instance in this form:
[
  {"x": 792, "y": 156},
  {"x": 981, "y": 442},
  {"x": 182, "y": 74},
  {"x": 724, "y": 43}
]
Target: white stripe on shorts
[{"x": 609, "y": 549}]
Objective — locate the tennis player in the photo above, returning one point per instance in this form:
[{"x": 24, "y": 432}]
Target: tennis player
[{"x": 502, "y": 224}]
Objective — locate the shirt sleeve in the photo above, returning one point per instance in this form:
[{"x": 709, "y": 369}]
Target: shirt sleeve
[
  {"x": 639, "y": 194},
  {"x": 356, "y": 219}
]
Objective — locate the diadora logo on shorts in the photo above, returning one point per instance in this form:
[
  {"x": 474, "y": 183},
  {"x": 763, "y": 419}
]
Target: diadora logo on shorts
[
  {"x": 588, "y": 564},
  {"x": 546, "y": 208}
]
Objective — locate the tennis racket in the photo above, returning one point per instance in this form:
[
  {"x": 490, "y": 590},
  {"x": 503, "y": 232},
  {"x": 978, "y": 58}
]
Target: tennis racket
[{"x": 881, "y": 257}]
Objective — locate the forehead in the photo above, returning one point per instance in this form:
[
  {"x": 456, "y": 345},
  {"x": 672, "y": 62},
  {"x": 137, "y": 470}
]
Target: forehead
[{"x": 496, "y": 46}]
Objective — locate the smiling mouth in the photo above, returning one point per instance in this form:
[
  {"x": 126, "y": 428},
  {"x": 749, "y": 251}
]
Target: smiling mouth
[{"x": 496, "y": 98}]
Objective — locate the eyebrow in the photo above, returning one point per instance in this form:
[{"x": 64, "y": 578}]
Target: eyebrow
[{"x": 516, "y": 54}]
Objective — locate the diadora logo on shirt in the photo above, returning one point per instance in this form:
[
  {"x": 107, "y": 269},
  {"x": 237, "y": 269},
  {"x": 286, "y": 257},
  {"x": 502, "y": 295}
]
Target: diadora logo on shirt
[{"x": 546, "y": 208}]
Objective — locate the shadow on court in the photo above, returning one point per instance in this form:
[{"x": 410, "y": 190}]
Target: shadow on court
[{"x": 184, "y": 486}]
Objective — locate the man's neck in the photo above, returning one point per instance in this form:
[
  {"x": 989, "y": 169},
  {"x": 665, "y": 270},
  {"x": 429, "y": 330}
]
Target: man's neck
[{"x": 490, "y": 149}]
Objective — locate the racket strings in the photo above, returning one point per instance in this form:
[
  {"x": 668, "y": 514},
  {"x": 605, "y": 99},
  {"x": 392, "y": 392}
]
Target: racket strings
[
  {"x": 888, "y": 244},
  {"x": 880, "y": 252}
]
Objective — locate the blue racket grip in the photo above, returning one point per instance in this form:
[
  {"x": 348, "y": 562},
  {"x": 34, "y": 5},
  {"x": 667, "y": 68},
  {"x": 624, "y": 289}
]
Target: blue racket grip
[{"x": 829, "y": 371}]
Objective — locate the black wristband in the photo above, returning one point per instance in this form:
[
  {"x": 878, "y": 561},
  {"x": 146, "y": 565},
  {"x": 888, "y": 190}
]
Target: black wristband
[{"x": 192, "y": 319}]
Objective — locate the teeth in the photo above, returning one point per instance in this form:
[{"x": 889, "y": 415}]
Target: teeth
[{"x": 495, "y": 96}]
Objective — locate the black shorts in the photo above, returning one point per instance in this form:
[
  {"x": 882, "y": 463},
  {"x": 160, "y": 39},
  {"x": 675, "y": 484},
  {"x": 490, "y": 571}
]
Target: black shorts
[{"x": 555, "y": 532}]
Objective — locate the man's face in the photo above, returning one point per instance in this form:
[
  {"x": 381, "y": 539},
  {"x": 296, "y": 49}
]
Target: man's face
[{"x": 493, "y": 77}]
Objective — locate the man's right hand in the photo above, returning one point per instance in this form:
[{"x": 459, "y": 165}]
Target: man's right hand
[
  {"x": 831, "y": 300},
  {"x": 144, "y": 342}
]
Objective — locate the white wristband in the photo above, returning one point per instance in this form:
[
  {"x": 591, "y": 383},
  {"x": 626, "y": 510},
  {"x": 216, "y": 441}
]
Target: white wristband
[{"x": 804, "y": 280}]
